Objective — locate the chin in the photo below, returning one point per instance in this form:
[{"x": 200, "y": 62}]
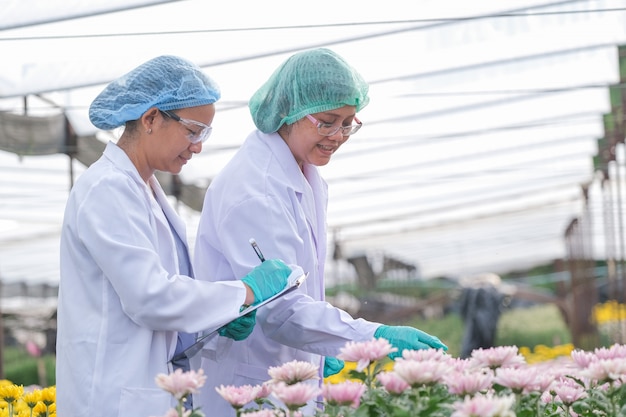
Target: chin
[
  {"x": 176, "y": 171},
  {"x": 321, "y": 162}
]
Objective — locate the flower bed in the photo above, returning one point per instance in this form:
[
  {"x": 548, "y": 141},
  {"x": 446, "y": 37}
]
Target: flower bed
[
  {"x": 15, "y": 400},
  {"x": 496, "y": 382}
]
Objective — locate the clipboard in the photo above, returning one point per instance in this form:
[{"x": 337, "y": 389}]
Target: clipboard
[{"x": 194, "y": 349}]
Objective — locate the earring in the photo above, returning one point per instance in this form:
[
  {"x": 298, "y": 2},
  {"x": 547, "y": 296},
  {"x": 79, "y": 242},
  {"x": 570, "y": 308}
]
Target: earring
[{"x": 149, "y": 131}]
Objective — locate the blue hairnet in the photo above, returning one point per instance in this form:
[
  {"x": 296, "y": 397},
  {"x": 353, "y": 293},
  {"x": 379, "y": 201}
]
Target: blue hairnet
[
  {"x": 308, "y": 82},
  {"x": 167, "y": 82}
]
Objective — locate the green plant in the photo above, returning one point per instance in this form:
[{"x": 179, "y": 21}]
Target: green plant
[
  {"x": 538, "y": 325},
  {"x": 23, "y": 369}
]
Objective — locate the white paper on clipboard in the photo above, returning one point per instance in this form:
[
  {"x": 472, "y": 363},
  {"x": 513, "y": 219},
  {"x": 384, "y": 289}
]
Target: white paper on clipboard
[{"x": 204, "y": 339}]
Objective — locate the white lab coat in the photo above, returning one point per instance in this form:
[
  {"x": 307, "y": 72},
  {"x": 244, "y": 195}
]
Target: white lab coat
[
  {"x": 262, "y": 194},
  {"x": 121, "y": 299}
]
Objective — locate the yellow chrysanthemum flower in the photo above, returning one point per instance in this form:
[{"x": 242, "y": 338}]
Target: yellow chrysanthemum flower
[
  {"x": 611, "y": 311},
  {"x": 32, "y": 398},
  {"x": 542, "y": 353},
  {"x": 49, "y": 395},
  {"x": 11, "y": 393},
  {"x": 40, "y": 410}
]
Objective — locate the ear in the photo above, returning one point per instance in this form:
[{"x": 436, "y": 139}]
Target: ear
[{"x": 148, "y": 118}]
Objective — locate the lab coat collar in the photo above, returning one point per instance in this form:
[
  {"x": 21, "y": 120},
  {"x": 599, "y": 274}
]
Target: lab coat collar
[
  {"x": 286, "y": 160},
  {"x": 120, "y": 159}
]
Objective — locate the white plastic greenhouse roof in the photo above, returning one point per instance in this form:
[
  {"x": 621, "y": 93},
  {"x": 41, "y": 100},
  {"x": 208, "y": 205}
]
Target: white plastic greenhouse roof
[{"x": 483, "y": 122}]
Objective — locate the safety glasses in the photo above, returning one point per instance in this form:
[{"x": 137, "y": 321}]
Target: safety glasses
[
  {"x": 328, "y": 129},
  {"x": 196, "y": 131}
]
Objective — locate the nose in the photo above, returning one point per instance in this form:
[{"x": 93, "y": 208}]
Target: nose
[
  {"x": 338, "y": 136},
  {"x": 195, "y": 147}
]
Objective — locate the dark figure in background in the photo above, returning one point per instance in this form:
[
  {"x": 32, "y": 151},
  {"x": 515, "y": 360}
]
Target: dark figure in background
[{"x": 481, "y": 304}]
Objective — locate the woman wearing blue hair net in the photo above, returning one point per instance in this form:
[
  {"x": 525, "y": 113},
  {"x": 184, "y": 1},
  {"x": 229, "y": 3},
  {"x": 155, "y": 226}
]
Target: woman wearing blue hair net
[
  {"x": 127, "y": 300},
  {"x": 272, "y": 190}
]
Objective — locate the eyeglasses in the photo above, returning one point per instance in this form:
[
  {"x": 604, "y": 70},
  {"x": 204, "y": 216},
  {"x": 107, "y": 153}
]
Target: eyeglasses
[
  {"x": 197, "y": 131},
  {"x": 328, "y": 129}
]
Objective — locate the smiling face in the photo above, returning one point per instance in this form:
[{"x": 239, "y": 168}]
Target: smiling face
[
  {"x": 172, "y": 147},
  {"x": 305, "y": 142}
]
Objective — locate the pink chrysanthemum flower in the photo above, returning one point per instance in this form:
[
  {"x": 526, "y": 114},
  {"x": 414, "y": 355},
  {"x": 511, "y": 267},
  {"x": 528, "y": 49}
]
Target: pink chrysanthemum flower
[
  {"x": 468, "y": 383},
  {"x": 426, "y": 355},
  {"x": 613, "y": 352},
  {"x": 417, "y": 373},
  {"x": 517, "y": 379},
  {"x": 294, "y": 372},
  {"x": 606, "y": 370},
  {"x": 346, "y": 393},
  {"x": 544, "y": 380},
  {"x": 365, "y": 352},
  {"x": 460, "y": 364},
  {"x": 497, "y": 357},
  {"x": 238, "y": 396},
  {"x": 181, "y": 384},
  {"x": 392, "y": 382},
  {"x": 484, "y": 406},
  {"x": 265, "y": 390},
  {"x": 567, "y": 391},
  {"x": 581, "y": 358},
  {"x": 296, "y": 395}
]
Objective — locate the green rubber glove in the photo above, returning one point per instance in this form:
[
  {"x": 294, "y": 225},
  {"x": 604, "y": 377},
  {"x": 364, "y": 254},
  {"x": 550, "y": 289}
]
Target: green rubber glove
[
  {"x": 267, "y": 279},
  {"x": 240, "y": 328},
  {"x": 410, "y": 338},
  {"x": 332, "y": 366}
]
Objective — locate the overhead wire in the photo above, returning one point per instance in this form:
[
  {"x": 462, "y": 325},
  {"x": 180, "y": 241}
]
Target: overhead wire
[
  {"x": 472, "y": 199},
  {"x": 486, "y": 171},
  {"x": 417, "y": 139},
  {"x": 436, "y": 21},
  {"x": 373, "y": 173},
  {"x": 76, "y": 15},
  {"x": 439, "y": 23},
  {"x": 357, "y": 230}
]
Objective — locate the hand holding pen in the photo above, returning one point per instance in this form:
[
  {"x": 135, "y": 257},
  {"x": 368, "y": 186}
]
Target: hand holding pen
[
  {"x": 267, "y": 279},
  {"x": 259, "y": 254}
]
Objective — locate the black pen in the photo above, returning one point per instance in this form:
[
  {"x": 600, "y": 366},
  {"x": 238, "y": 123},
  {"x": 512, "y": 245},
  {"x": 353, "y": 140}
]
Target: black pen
[{"x": 257, "y": 250}]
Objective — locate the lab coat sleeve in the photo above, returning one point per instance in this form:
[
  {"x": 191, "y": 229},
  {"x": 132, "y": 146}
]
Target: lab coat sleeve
[
  {"x": 313, "y": 326},
  {"x": 119, "y": 230},
  {"x": 301, "y": 320}
]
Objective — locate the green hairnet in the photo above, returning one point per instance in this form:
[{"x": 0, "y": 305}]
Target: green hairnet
[
  {"x": 308, "y": 82},
  {"x": 167, "y": 82}
]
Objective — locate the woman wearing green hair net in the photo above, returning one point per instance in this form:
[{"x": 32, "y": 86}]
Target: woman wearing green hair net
[
  {"x": 272, "y": 191},
  {"x": 126, "y": 292}
]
